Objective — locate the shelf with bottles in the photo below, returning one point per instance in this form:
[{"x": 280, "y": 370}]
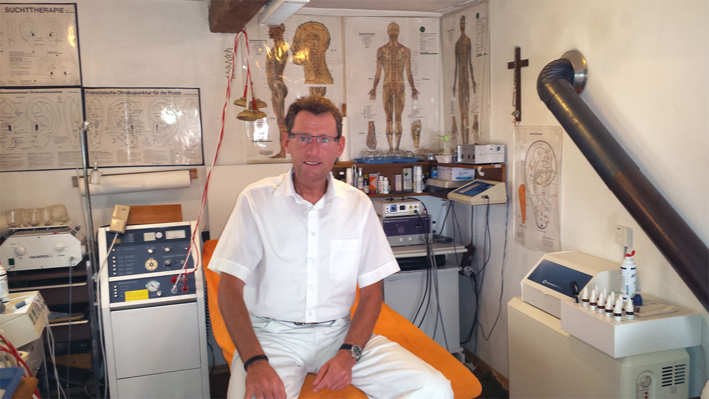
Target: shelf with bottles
[{"x": 496, "y": 172}]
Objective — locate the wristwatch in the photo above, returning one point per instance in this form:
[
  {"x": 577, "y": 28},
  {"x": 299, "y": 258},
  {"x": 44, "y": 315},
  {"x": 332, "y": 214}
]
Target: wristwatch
[{"x": 355, "y": 351}]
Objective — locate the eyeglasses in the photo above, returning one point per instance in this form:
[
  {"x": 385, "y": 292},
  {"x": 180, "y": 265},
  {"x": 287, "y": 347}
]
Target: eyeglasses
[{"x": 304, "y": 139}]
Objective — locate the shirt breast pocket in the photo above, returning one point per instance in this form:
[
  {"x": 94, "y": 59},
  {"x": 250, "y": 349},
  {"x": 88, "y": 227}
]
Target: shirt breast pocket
[{"x": 344, "y": 259}]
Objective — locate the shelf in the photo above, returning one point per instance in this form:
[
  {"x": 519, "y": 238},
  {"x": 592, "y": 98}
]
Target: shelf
[
  {"x": 420, "y": 250},
  {"x": 496, "y": 172}
]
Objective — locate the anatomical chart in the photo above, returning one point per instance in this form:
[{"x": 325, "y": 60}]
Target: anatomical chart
[
  {"x": 466, "y": 75},
  {"x": 144, "y": 126},
  {"x": 39, "y": 45},
  {"x": 537, "y": 174},
  {"x": 301, "y": 57},
  {"x": 39, "y": 129},
  {"x": 392, "y": 84}
]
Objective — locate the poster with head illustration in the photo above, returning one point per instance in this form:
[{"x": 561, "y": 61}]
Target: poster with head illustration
[
  {"x": 39, "y": 45},
  {"x": 535, "y": 187},
  {"x": 301, "y": 57}
]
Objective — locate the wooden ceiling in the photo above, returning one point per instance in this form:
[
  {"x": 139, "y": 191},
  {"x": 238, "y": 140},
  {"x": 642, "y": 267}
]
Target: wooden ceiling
[{"x": 230, "y": 16}]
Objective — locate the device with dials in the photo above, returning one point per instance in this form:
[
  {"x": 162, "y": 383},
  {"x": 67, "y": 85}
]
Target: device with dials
[
  {"x": 143, "y": 261},
  {"x": 42, "y": 248},
  {"x": 480, "y": 192},
  {"x": 149, "y": 306}
]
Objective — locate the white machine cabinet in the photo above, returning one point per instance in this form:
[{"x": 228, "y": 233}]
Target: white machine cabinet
[
  {"x": 156, "y": 342},
  {"x": 547, "y": 362},
  {"x": 404, "y": 290}
]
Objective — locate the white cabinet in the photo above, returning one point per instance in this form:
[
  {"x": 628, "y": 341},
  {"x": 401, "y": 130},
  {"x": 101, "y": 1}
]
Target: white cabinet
[{"x": 404, "y": 291}]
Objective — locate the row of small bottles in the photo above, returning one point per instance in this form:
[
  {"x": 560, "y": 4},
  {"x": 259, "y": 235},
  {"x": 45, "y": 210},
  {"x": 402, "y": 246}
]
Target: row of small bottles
[{"x": 609, "y": 305}]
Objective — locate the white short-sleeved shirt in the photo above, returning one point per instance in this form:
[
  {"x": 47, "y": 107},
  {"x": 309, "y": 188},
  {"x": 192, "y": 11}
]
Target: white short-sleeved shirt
[{"x": 301, "y": 262}]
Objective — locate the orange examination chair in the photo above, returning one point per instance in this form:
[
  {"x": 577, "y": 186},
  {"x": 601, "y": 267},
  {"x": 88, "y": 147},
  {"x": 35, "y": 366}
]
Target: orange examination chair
[{"x": 390, "y": 324}]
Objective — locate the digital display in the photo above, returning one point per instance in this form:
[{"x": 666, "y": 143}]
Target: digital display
[
  {"x": 174, "y": 234},
  {"x": 149, "y": 236},
  {"x": 474, "y": 189}
]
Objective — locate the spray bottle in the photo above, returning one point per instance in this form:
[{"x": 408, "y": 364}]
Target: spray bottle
[{"x": 628, "y": 274}]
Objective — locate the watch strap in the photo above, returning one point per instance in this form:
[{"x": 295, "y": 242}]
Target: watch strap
[{"x": 253, "y": 359}]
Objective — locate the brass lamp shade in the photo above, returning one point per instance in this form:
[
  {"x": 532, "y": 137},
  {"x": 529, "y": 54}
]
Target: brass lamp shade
[
  {"x": 259, "y": 114},
  {"x": 241, "y": 102},
  {"x": 246, "y": 115}
]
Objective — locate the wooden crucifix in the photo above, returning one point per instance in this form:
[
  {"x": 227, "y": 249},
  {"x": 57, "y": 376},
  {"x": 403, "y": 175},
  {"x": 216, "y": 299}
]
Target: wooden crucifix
[{"x": 517, "y": 65}]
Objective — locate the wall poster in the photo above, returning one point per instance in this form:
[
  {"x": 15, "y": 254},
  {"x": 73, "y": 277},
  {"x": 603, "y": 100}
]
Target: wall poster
[
  {"x": 301, "y": 57},
  {"x": 393, "y": 70},
  {"x": 39, "y": 45},
  {"x": 144, "y": 126},
  {"x": 39, "y": 129},
  {"x": 466, "y": 75},
  {"x": 536, "y": 179}
]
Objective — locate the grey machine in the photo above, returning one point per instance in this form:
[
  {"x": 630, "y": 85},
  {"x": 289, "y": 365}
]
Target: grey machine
[{"x": 155, "y": 330}]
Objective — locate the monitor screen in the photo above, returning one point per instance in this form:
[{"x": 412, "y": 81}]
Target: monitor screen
[{"x": 474, "y": 189}]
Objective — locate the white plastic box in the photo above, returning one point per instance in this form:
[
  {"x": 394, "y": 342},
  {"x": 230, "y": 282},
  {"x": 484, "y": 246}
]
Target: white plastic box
[
  {"x": 681, "y": 328},
  {"x": 24, "y": 325},
  {"x": 455, "y": 174}
]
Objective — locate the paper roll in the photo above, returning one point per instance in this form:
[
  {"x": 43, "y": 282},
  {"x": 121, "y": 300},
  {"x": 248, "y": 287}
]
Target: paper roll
[
  {"x": 346, "y": 134},
  {"x": 137, "y": 182}
]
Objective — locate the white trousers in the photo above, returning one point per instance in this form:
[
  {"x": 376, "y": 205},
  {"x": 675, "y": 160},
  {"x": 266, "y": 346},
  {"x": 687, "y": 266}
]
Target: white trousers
[{"x": 385, "y": 371}]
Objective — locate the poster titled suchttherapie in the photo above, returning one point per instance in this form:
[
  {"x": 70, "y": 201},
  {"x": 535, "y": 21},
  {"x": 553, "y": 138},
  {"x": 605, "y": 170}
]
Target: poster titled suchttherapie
[{"x": 39, "y": 45}]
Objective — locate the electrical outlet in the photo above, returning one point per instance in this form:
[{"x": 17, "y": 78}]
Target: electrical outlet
[{"x": 623, "y": 236}]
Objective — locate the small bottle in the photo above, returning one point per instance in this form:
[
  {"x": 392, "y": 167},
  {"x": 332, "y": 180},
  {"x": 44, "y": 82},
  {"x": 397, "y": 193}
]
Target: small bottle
[
  {"x": 593, "y": 302},
  {"x": 365, "y": 183},
  {"x": 618, "y": 310},
  {"x": 612, "y": 297},
  {"x": 601, "y": 302},
  {"x": 584, "y": 297},
  {"x": 360, "y": 180},
  {"x": 4, "y": 289},
  {"x": 609, "y": 307},
  {"x": 628, "y": 273},
  {"x": 630, "y": 310}
]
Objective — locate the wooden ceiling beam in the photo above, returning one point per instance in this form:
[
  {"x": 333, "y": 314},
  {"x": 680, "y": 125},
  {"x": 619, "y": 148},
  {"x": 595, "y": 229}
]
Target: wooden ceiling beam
[{"x": 230, "y": 16}]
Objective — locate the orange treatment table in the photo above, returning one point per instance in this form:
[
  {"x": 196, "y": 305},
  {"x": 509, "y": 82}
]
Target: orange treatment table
[{"x": 390, "y": 324}]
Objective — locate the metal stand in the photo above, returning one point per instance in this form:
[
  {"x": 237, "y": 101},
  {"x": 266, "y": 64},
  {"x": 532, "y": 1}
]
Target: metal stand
[{"x": 90, "y": 264}]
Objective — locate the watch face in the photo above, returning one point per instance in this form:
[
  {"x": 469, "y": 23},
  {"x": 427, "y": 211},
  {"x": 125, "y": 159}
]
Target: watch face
[{"x": 356, "y": 351}]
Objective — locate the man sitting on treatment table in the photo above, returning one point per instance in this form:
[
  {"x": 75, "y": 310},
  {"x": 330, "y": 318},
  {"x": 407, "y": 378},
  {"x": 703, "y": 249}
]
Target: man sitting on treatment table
[{"x": 290, "y": 257}]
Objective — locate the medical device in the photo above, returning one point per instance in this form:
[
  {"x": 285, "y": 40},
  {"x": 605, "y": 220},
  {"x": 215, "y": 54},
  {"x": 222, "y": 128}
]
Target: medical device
[
  {"x": 24, "y": 318},
  {"x": 42, "y": 248},
  {"x": 561, "y": 348},
  {"x": 480, "y": 192},
  {"x": 406, "y": 230},
  {"x": 153, "y": 314},
  {"x": 481, "y": 153},
  {"x": 394, "y": 207}
]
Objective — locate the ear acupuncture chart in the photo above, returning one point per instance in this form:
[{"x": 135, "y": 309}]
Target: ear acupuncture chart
[
  {"x": 39, "y": 129},
  {"x": 537, "y": 175},
  {"x": 39, "y": 45},
  {"x": 144, "y": 126}
]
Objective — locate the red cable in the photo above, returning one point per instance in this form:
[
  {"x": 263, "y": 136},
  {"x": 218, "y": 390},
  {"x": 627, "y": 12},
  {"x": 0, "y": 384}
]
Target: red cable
[{"x": 219, "y": 142}]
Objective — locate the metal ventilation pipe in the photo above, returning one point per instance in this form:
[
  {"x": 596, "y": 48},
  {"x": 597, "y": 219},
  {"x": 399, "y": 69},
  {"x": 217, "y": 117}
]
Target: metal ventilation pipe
[{"x": 559, "y": 85}]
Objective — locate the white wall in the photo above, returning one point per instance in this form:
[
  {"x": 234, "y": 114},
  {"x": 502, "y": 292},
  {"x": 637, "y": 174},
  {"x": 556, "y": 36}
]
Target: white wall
[{"x": 648, "y": 82}]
